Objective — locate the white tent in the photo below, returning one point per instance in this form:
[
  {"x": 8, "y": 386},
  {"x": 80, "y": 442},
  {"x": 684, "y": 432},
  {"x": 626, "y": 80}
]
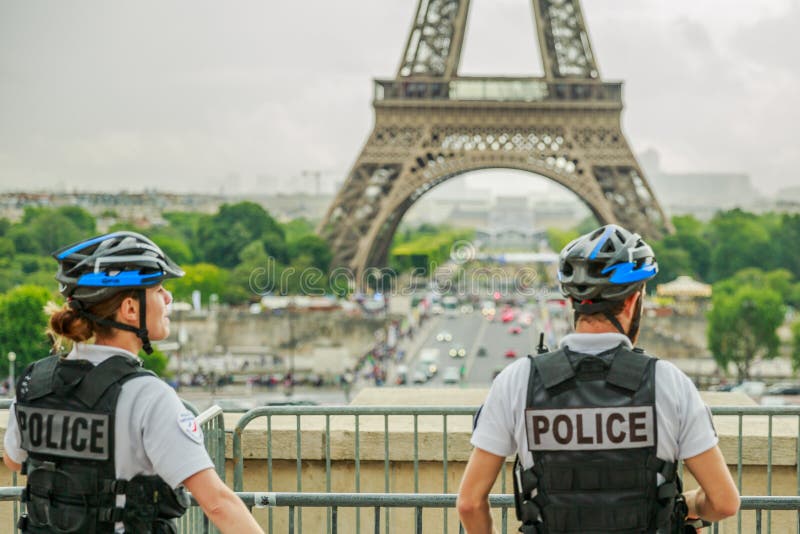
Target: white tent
[{"x": 684, "y": 286}]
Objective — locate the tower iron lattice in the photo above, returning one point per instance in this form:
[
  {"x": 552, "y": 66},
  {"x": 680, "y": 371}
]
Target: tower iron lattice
[{"x": 431, "y": 124}]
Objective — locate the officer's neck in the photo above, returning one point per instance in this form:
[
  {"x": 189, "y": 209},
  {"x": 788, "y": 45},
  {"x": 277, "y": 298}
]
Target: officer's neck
[
  {"x": 598, "y": 325},
  {"x": 121, "y": 339}
]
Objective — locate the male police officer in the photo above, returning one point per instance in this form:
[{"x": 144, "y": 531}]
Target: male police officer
[{"x": 598, "y": 426}]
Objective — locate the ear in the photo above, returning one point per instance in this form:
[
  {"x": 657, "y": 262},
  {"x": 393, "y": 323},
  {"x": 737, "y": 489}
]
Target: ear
[
  {"x": 630, "y": 302},
  {"x": 129, "y": 311}
]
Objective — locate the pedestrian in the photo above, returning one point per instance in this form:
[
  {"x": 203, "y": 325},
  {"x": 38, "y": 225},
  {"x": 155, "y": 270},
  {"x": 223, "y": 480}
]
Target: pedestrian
[
  {"x": 106, "y": 445},
  {"x": 599, "y": 427}
]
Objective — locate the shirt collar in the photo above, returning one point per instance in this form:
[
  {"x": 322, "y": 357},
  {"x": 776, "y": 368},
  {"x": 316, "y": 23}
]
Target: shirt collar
[
  {"x": 594, "y": 343},
  {"x": 97, "y": 353}
]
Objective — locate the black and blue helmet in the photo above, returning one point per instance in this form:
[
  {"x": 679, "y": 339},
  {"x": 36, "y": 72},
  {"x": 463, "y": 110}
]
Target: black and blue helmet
[
  {"x": 95, "y": 269},
  {"x": 608, "y": 264}
]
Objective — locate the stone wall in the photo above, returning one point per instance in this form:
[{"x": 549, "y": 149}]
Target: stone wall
[{"x": 217, "y": 331}]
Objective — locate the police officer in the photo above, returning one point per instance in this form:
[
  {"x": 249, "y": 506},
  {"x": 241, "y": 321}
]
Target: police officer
[
  {"x": 597, "y": 425},
  {"x": 106, "y": 445}
]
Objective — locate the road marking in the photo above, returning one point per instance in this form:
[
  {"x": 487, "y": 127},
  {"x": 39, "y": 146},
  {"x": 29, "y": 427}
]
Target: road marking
[{"x": 473, "y": 352}]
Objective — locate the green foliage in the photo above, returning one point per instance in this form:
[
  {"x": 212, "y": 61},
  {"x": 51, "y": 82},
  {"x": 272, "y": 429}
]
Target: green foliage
[
  {"x": 426, "y": 248},
  {"x": 742, "y": 325},
  {"x": 559, "y": 238},
  {"x": 5, "y": 225},
  {"x": 43, "y": 231},
  {"x": 30, "y": 269},
  {"x": 156, "y": 362},
  {"x": 205, "y": 277},
  {"x": 233, "y": 228},
  {"x": 174, "y": 247},
  {"x": 786, "y": 240},
  {"x": 7, "y": 248},
  {"x": 739, "y": 240},
  {"x": 186, "y": 224},
  {"x": 314, "y": 248},
  {"x": 587, "y": 224},
  {"x": 796, "y": 345},
  {"x": 297, "y": 228},
  {"x": 253, "y": 277},
  {"x": 672, "y": 263},
  {"x": 22, "y": 325},
  {"x": 81, "y": 218}
]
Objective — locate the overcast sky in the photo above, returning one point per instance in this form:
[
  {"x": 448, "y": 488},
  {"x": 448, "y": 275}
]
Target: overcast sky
[{"x": 247, "y": 95}]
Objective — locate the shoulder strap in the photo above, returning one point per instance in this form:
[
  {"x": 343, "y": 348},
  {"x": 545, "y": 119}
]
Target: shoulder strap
[
  {"x": 106, "y": 374},
  {"x": 41, "y": 380},
  {"x": 554, "y": 368},
  {"x": 628, "y": 368}
]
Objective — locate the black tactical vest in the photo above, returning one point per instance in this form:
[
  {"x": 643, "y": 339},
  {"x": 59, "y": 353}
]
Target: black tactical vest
[
  {"x": 592, "y": 431},
  {"x": 65, "y": 413}
]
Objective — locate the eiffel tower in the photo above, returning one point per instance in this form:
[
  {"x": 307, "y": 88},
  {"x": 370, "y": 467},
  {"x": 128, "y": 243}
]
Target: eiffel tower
[{"x": 432, "y": 125}]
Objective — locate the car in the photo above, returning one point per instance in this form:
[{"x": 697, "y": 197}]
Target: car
[
  {"x": 783, "y": 388},
  {"x": 510, "y": 353},
  {"x": 419, "y": 376},
  {"x": 457, "y": 352},
  {"x": 507, "y": 316},
  {"x": 752, "y": 388},
  {"x": 514, "y": 330},
  {"x": 481, "y": 351},
  {"x": 451, "y": 375},
  {"x": 444, "y": 336}
]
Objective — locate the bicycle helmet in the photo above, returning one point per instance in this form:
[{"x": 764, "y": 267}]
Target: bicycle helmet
[
  {"x": 603, "y": 267},
  {"x": 96, "y": 269}
]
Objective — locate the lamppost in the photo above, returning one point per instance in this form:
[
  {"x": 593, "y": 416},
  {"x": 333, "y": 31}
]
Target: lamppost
[{"x": 12, "y": 357}]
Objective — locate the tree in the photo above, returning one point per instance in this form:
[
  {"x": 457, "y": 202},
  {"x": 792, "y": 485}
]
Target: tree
[
  {"x": 297, "y": 228},
  {"x": 672, "y": 263},
  {"x": 22, "y": 325},
  {"x": 559, "y": 238},
  {"x": 313, "y": 246},
  {"x": 204, "y": 277},
  {"x": 44, "y": 231},
  {"x": 156, "y": 362},
  {"x": 174, "y": 247},
  {"x": 737, "y": 240},
  {"x": 81, "y": 218},
  {"x": 234, "y": 227},
  {"x": 796, "y": 345},
  {"x": 253, "y": 277},
  {"x": 742, "y": 326}
]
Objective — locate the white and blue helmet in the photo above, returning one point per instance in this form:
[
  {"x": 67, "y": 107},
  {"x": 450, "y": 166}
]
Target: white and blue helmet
[{"x": 608, "y": 264}]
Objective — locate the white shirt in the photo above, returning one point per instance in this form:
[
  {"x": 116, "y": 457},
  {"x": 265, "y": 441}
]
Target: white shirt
[
  {"x": 153, "y": 432},
  {"x": 684, "y": 422}
]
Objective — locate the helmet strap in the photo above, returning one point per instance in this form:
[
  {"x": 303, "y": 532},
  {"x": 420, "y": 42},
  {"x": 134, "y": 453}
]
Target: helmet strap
[
  {"x": 633, "y": 331},
  {"x": 140, "y": 332}
]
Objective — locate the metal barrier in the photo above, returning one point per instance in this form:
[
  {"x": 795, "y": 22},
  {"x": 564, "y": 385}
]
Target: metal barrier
[
  {"x": 213, "y": 424},
  {"x": 297, "y": 415},
  {"x": 357, "y": 413},
  {"x": 439, "y": 503}
]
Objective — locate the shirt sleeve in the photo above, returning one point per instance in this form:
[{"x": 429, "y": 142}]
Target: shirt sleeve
[
  {"x": 172, "y": 437},
  {"x": 494, "y": 429},
  {"x": 12, "y": 441},
  {"x": 696, "y": 433}
]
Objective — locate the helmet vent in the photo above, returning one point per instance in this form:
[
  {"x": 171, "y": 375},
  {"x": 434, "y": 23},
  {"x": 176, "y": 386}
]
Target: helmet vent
[
  {"x": 608, "y": 246},
  {"x": 620, "y": 236}
]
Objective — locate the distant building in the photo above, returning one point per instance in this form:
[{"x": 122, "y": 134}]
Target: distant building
[{"x": 699, "y": 193}]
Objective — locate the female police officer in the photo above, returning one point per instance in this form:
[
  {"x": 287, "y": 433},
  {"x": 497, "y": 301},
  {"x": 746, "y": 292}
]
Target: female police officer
[
  {"x": 102, "y": 441},
  {"x": 598, "y": 426}
]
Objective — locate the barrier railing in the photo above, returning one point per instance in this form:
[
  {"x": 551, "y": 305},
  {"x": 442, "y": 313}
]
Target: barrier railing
[
  {"x": 284, "y": 417},
  {"x": 213, "y": 424},
  {"x": 778, "y": 422}
]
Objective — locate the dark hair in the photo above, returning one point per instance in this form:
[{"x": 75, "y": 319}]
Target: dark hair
[{"x": 67, "y": 323}]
